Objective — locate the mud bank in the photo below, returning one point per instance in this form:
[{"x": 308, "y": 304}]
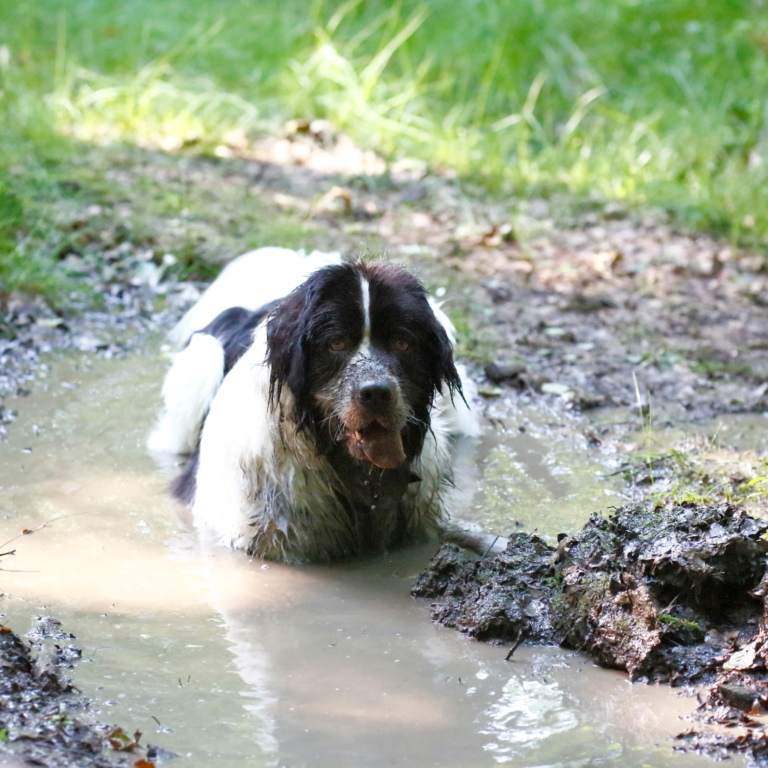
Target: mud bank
[
  {"x": 43, "y": 718},
  {"x": 671, "y": 595},
  {"x": 31, "y": 329}
]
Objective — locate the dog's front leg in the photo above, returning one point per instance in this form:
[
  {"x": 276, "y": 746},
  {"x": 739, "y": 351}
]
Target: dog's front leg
[{"x": 472, "y": 538}]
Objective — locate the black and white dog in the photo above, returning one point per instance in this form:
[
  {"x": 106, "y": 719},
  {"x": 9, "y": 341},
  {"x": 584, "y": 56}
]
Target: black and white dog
[{"x": 319, "y": 420}]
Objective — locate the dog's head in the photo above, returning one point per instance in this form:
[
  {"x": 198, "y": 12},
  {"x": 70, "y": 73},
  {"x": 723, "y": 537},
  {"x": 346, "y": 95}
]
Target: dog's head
[{"x": 363, "y": 356}]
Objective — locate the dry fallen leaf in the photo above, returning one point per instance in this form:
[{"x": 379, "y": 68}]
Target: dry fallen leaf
[{"x": 121, "y": 742}]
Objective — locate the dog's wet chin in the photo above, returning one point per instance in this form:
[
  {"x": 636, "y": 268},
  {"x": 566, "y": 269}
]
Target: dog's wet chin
[{"x": 377, "y": 445}]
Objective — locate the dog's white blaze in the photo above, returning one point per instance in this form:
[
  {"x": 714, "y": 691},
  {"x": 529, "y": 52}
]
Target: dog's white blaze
[{"x": 365, "y": 289}]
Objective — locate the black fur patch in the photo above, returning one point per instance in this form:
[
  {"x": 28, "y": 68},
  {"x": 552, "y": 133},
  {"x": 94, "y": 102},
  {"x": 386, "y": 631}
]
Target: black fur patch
[{"x": 234, "y": 328}]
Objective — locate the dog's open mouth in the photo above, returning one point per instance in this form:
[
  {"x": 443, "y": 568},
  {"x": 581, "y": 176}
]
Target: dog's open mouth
[{"x": 381, "y": 446}]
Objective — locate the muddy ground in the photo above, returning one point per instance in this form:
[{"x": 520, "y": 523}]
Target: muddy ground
[
  {"x": 572, "y": 298},
  {"x": 582, "y": 302},
  {"x": 44, "y": 720},
  {"x": 672, "y": 595}
]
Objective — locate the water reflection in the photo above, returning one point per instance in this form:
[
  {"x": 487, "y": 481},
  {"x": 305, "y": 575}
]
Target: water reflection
[{"x": 527, "y": 712}]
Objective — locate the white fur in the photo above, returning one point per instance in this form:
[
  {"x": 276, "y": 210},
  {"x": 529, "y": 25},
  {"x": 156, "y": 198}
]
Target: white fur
[
  {"x": 234, "y": 448},
  {"x": 365, "y": 290},
  {"x": 459, "y": 417},
  {"x": 251, "y": 281},
  {"x": 443, "y": 319},
  {"x": 188, "y": 391}
]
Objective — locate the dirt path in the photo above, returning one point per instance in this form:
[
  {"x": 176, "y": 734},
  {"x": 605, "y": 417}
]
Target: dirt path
[{"x": 584, "y": 296}]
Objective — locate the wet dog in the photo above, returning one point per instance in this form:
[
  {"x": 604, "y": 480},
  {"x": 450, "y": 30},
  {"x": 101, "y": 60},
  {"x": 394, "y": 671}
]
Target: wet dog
[{"x": 319, "y": 422}]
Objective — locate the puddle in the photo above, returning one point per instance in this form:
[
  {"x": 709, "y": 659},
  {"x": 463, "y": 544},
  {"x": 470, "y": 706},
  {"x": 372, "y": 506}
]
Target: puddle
[
  {"x": 229, "y": 661},
  {"x": 533, "y": 469}
]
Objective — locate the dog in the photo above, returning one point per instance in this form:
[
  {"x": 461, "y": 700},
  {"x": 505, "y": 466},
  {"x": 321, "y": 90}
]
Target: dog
[{"x": 319, "y": 420}]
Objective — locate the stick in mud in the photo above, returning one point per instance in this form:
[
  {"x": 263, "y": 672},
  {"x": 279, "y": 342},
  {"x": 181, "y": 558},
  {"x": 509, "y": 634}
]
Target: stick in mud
[{"x": 520, "y": 640}]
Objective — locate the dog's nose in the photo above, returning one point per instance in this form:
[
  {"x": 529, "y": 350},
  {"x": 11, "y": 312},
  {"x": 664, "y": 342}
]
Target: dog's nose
[{"x": 377, "y": 395}]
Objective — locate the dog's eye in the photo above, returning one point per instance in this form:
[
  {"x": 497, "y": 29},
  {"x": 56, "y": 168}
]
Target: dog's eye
[
  {"x": 401, "y": 345},
  {"x": 337, "y": 345}
]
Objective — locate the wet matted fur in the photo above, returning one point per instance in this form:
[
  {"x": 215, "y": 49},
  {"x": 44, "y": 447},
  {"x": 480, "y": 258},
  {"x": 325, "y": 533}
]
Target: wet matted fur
[{"x": 325, "y": 432}]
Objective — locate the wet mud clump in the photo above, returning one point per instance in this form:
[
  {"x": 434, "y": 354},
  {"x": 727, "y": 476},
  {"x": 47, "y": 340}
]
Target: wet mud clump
[
  {"x": 44, "y": 720},
  {"x": 671, "y": 595}
]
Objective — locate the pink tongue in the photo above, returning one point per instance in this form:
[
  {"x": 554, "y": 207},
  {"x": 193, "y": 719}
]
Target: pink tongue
[{"x": 382, "y": 448}]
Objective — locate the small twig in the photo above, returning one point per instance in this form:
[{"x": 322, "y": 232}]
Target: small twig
[
  {"x": 27, "y": 531},
  {"x": 10, "y": 552},
  {"x": 156, "y": 720},
  {"x": 23, "y": 533},
  {"x": 96, "y": 650},
  {"x": 518, "y": 643},
  {"x": 491, "y": 547},
  {"x": 670, "y": 606}
]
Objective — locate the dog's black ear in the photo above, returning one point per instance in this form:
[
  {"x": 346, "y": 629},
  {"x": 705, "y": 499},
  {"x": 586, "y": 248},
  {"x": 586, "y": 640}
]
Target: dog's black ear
[
  {"x": 287, "y": 331},
  {"x": 443, "y": 368}
]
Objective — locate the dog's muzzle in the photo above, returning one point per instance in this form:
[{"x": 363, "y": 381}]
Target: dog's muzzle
[{"x": 377, "y": 439}]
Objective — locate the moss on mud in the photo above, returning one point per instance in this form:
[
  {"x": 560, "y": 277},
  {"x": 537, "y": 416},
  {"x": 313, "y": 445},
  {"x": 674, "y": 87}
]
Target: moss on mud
[{"x": 637, "y": 591}]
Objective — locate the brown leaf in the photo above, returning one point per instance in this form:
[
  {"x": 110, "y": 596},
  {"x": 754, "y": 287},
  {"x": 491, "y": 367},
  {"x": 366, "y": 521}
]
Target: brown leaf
[
  {"x": 121, "y": 742},
  {"x": 337, "y": 200}
]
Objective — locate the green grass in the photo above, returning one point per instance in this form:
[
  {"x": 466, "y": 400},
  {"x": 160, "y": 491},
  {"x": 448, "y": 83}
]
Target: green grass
[{"x": 650, "y": 102}]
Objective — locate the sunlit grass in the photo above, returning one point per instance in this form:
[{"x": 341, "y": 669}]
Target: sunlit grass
[
  {"x": 649, "y": 104},
  {"x": 703, "y": 161},
  {"x": 152, "y": 108}
]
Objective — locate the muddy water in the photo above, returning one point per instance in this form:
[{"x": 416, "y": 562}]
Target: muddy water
[
  {"x": 532, "y": 469},
  {"x": 229, "y": 661}
]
